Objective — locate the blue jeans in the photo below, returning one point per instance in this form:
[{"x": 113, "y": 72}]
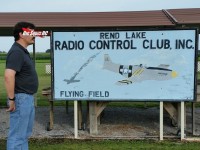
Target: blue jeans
[{"x": 21, "y": 122}]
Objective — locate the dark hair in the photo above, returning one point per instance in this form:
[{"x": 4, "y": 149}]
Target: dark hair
[{"x": 18, "y": 28}]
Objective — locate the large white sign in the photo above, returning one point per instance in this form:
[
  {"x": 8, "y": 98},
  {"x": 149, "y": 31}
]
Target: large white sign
[{"x": 125, "y": 65}]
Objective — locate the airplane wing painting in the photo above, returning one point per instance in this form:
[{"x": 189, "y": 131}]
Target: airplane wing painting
[
  {"x": 89, "y": 60},
  {"x": 138, "y": 73}
]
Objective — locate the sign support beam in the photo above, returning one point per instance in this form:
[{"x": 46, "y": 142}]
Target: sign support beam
[
  {"x": 161, "y": 120},
  {"x": 76, "y": 119},
  {"x": 182, "y": 120}
]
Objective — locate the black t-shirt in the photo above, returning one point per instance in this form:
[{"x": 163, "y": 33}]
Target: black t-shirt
[{"x": 26, "y": 79}]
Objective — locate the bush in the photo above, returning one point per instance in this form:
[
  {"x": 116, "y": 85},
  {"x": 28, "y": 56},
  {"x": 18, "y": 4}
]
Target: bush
[{"x": 39, "y": 56}]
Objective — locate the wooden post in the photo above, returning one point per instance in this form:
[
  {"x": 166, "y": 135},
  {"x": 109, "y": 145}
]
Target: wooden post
[
  {"x": 193, "y": 119},
  {"x": 95, "y": 110},
  {"x": 172, "y": 110},
  {"x": 93, "y": 118},
  {"x": 51, "y": 115},
  {"x": 80, "y": 115},
  {"x": 34, "y": 58},
  {"x": 67, "y": 107}
]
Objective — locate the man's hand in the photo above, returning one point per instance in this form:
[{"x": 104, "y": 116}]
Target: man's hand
[{"x": 11, "y": 106}]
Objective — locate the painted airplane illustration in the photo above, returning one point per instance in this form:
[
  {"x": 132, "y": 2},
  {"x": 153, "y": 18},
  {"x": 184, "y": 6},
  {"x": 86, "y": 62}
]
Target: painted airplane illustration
[
  {"x": 89, "y": 60},
  {"x": 138, "y": 73},
  {"x": 72, "y": 79}
]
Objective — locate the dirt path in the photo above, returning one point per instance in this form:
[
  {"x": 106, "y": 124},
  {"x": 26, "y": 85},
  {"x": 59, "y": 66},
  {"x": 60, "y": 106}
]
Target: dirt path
[{"x": 117, "y": 122}]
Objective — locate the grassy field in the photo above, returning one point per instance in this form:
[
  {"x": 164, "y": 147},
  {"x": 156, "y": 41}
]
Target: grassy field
[
  {"x": 44, "y": 82},
  {"x": 65, "y": 144}
]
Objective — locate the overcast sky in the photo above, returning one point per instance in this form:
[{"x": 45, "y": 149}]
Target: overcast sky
[
  {"x": 42, "y": 44},
  {"x": 93, "y": 5}
]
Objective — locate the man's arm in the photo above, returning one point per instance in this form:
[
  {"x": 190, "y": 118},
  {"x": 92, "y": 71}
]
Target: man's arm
[{"x": 9, "y": 78}]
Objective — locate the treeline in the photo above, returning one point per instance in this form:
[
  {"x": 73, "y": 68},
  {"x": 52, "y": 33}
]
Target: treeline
[{"x": 38, "y": 56}]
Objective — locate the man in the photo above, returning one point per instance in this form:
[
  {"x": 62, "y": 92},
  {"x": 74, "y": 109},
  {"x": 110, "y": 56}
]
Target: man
[{"x": 21, "y": 82}]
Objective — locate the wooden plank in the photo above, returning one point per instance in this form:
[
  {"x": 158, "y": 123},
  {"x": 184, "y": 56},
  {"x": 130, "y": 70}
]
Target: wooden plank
[
  {"x": 93, "y": 118},
  {"x": 67, "y": 107},
  {"x": 198, "y": 92},
  {"x": 172, "y": 111},
  {"x": 95, "y": 109},
  {"x": 51, "y": 118},
  {"x": 193, "y": 119},
  {"x": 100, "y": 107},
  {"x": 80, "y": 116}
]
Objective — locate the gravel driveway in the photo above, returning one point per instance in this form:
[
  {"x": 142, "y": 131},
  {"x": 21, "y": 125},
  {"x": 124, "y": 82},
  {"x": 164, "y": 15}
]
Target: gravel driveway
[{"x": 116, "y": 122}]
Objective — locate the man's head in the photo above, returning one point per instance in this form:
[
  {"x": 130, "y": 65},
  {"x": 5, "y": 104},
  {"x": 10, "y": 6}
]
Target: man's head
[
  {"x": 24, "y": 39},
  {"x": 18, "y": 29}
]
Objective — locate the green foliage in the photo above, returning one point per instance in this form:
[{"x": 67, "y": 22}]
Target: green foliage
[
  {"x": 48, "y": 51},
  {"x": 41, "y": 56},
  {"x": 3, "y": 56},
  {"x": 115, "y": 145},
  {"x": 65, "y": 144},
  {"x": 44, "y": 82},
  {"x": 38, "y": 56}
]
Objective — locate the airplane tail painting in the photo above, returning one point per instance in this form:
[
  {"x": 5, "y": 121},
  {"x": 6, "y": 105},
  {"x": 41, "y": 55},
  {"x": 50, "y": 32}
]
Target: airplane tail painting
[
  {"x": 109, "y": 65},
  {"x": 107, "y": 60}
]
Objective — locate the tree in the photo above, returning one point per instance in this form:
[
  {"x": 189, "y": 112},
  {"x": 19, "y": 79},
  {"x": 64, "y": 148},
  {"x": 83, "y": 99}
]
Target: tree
[{"x": 48, "y": 51}]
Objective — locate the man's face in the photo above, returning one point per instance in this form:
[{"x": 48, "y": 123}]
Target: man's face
[{"x": 28, "y": 36}]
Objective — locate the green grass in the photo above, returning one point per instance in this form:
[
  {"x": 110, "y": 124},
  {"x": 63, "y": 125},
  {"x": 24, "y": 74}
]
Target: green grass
[
  {"x": 118, "y": 145},
  {"x": 66, "y": 144},
  {"x": 44, "y": 82},
  {"x": 2, "y": 87}
]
